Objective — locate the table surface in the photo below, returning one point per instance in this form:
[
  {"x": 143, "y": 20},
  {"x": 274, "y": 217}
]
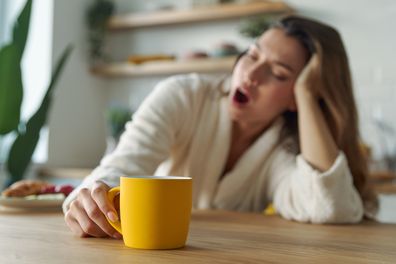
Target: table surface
[{"x": 215, "y": 237}]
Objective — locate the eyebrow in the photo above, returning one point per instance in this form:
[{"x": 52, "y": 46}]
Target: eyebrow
[{"x": 277, "y": 61}]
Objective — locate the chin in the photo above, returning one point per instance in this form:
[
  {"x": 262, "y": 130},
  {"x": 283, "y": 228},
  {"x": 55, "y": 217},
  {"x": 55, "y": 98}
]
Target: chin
[
  {"x": 237, "y": 114},
  {"x": 234, "y": 113}
]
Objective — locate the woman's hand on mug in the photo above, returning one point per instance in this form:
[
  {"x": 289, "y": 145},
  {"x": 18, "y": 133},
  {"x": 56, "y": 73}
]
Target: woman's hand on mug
[{"x": 86, "y": 214}]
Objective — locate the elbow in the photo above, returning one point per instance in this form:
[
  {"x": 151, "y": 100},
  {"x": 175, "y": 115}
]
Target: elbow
[{"x": 337, "y": 213}]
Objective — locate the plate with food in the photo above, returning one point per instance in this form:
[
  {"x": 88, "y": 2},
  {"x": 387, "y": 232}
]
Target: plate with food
[{"x": 32, "y": 194}]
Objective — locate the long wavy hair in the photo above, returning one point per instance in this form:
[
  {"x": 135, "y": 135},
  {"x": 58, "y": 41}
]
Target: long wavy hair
[{"x": 336, "y": 99}]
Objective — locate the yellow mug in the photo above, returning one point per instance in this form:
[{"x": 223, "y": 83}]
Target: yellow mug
[{"x": 154, "y": 211}]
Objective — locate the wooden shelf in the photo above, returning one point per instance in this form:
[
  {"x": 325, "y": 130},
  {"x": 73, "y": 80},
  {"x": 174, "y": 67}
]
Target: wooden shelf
[
  {"x": 207, "y": 65},
  {"x": 207, "y": 13},
  {"x": 385, "y": 188},
  {"x": 382, "y": 176}
]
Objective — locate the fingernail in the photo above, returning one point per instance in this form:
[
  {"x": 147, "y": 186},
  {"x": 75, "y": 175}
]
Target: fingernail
[{"x": 112, "y": 216}]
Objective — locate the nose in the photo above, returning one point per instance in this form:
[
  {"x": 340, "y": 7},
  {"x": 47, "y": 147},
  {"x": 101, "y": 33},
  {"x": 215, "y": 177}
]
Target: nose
[
  {"x": 250, "y": 84},
  {"x": 253, "y": 76}
]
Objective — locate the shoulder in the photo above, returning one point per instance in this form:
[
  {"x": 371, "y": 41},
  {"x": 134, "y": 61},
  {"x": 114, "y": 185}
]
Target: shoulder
[{"x": 183, "y": 94}]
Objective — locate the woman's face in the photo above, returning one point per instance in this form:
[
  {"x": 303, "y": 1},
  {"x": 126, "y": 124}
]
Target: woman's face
[{"x": 263, "y": 79}]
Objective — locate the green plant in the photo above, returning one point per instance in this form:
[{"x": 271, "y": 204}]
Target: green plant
[
  {"x": 97, "y": 16},
  {"x": 117, "y": 116},
  {"x": 254, "y": 27},
  {"x": 11, "y": 89},
  {"x": 11, "y": 94}
]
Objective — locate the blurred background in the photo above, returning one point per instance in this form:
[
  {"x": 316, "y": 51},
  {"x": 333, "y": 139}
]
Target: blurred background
[{"x": 123, "y": 48}]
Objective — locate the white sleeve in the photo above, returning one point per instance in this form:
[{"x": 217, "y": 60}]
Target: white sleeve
[
  {"x": 147, "y": 139},
  {"x": 307, "y": 195}
]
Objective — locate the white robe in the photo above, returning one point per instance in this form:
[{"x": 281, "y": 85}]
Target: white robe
[{"x": 184, "y": 128}]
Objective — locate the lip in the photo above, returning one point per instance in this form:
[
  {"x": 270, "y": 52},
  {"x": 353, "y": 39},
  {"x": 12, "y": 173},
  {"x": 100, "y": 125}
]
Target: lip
[{"x": 236, "y": 99}]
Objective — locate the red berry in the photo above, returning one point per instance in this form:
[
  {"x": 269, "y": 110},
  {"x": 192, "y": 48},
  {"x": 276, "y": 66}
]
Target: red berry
[
  {"x": 48, "y": 189},
  {"x": 65, "y": 189}
]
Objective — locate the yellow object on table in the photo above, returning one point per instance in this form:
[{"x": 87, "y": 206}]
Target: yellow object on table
[
  {"x": 155, "y": 211},
  {"x": 270, "y": 210},
  {"x": 139, "y": 59}
]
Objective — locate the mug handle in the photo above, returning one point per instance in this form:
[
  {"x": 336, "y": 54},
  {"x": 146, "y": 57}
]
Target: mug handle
[{"x": 111, "y": 194}]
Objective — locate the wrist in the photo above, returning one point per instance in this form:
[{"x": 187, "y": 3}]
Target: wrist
[{"x": 304, "y": 96}]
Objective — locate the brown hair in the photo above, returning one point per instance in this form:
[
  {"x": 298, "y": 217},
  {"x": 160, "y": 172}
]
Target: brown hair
[{"x": 337, "y": 100}]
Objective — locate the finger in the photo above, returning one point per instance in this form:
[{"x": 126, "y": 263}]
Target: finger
[
  {"x": 73, "y": 225},
  {"x": 99, "y": 195},
  {"x": 96, "y": 215},
  {"x": 86, "y": 224}
]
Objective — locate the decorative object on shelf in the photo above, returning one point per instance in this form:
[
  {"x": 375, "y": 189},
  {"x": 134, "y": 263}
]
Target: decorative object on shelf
[
  {"x": 139, "y": 59},
  {"x": 194, "y": 54},
  {"x": 196, "y": 3},
  {"x": 153, "y": 6},
  {"x": 254, "y": 27},
  {"x": 11, "y": 94},
  {"x": 97, "y": 16},
  {"x": 225, "y": 49},
  {"x": 116, "y": 116}
]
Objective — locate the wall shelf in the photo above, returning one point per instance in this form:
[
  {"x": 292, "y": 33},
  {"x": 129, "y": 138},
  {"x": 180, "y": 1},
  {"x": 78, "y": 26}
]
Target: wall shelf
[
  {"x": 208, "y": 13},
  {"x": 173, "y": 17},
  {"x": 207, "y": 65}
]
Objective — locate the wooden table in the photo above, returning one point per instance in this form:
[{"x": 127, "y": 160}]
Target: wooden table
[{"x": 215, "y": 237}]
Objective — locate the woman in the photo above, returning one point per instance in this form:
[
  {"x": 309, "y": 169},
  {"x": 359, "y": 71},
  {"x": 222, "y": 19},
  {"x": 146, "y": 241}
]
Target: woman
[{"x": 282, "y": 129}]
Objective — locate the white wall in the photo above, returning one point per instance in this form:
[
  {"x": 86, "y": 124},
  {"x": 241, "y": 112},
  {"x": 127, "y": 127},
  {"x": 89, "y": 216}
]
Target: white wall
[
  {"x": 368, "y": 31},
  {"x": 77, "y": 126}
]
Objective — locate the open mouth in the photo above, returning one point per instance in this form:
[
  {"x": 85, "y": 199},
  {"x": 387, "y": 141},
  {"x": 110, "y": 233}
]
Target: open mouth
[{"x": 240, "y": 97}]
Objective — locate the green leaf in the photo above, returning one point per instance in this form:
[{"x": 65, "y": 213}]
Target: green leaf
[
  {"x": 24, "y": 145},
  {"x": 21, "y": 28},
  {"x": 11, "y": 89}
]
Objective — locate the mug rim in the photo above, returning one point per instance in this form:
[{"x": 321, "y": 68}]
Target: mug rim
[{"x": 151, "y": 177}]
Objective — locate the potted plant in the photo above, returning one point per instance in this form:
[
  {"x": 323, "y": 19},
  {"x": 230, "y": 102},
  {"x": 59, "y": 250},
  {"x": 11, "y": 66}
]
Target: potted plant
[
  {"x": 254, "y": 27},
  {"x": 97, "y": 16},
  {"x": 11, "y": 95},
  {"x": 117, "y": 116}
]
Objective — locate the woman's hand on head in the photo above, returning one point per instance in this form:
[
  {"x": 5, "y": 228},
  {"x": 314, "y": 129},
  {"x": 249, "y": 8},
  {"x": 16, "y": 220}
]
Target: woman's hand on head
[
  {"x": 86, "y": 214},
  {"x": 309, "y": 81}
]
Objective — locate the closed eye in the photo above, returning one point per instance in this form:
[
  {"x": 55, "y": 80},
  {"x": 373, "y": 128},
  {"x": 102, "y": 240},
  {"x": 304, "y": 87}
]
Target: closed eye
[{"x": 280, "y": 77}]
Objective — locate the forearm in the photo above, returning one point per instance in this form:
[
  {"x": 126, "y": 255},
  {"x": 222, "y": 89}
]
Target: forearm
[
  {"x": 318, "y": 146},
  {"x": 146, "y": 141},
  {"x": 308, "y": 195}
]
